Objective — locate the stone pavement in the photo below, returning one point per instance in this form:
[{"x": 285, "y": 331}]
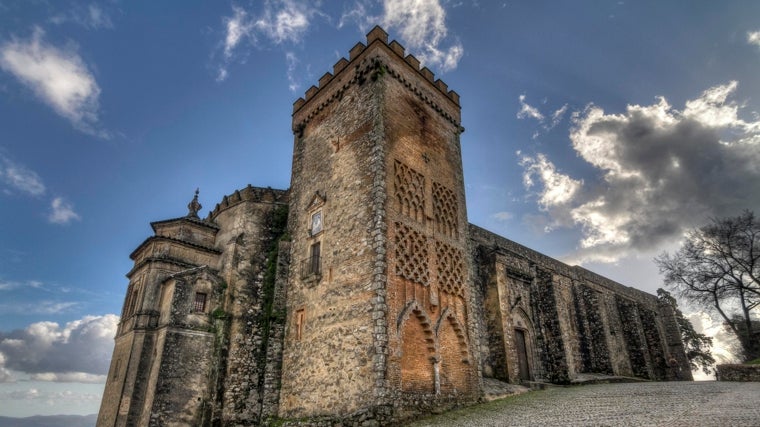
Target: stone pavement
[{"x": 707, "y": 403}]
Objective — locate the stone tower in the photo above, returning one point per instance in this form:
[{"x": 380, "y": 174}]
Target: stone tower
[{"x": 378, "y": 302}]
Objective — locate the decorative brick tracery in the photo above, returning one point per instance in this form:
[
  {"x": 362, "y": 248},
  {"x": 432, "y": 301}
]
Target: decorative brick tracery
[
  {"x": 450, "y": 269},
  {"x": 411, "y": 255},
  {"x": 445, "y": 208},
  {"x": 409, "y": 191}
]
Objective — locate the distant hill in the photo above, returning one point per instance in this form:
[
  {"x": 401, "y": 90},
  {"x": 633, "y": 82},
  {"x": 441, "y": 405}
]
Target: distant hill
[{"x": 51, "y": 421}]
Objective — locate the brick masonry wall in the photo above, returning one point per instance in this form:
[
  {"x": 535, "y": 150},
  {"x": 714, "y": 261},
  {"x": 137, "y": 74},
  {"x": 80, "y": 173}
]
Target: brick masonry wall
[{"x": 428, "y": 266}]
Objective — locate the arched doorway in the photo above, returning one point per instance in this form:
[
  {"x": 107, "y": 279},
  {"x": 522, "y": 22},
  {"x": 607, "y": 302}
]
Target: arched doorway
[{"x": 523, "y": 360}]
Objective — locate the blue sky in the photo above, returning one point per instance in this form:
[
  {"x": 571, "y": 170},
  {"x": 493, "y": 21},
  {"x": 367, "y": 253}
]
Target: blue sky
[{"x": 596, "y": 132}]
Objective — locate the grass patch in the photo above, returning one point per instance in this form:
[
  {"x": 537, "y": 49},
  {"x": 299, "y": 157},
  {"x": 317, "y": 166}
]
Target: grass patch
[{"x": 753, "y": 362}]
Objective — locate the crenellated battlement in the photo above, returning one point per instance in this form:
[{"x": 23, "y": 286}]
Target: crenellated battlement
[
  {"x": 368, "y": 67},
  {"x": 249, "y": 194}
]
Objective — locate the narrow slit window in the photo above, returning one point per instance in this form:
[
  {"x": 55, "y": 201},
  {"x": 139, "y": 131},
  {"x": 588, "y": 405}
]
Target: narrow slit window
[
  {"x": 200, "y": 302},
  {"x": 300, "y": 318}
]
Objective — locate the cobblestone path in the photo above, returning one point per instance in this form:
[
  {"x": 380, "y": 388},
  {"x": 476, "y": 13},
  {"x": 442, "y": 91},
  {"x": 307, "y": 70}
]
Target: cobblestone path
[{"x": 631, "y": 404}]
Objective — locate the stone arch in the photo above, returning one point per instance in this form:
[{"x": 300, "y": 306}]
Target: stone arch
[
  {"x": 521, "y": 320},
  {"x": 417, "y": 350},
  {"x": 454, "y": 354}
]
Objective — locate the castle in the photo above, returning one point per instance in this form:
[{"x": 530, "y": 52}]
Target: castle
[{"x": 361, "y": 295}]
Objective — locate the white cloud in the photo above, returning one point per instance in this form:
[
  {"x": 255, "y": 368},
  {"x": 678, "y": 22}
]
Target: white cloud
[
  {"x": 753, "y": 37},
  {"x": 557, "y": 189},
  {"x": 62, "y": 212},
  {"x": 288, "y": 22},
  {"x": 5, "y": 375},
  {"x": 661, "y": 171},
  {"x": 80, "y": 351},
  {"x": 527, "y": 110},
  {"x": 558, "y": 115},
  {"x": 18, "y": 177},
  {"x": 11, "y": 285},
  {"x": 237, "y": 27},
  {"x": 46, "y": 307},
  {"x": 91, "y": 16},
  {"x": 98, "y": 18},
  {"x": 422, "y": 25},
  {"x": 283, "y": 21},
  {"x": 503, "y": 216},
  {"x": 292, "y": 62},
  {"x": 58, "y": 77},
  {"x": 55, "y": 400},
  {"x": 359, "y": 14},
  {"x": 69, "y": 377},
  {"x": 711, "y": 109}
]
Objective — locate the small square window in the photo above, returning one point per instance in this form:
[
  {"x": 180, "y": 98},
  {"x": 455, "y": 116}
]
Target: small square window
[{"x": 200, "y": 302}]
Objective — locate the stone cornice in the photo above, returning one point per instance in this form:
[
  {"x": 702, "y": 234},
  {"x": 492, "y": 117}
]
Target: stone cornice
[
  {"x": 165, "y": 260},
  {"x": 133, "y": 255},
  {"x": 191, "y": 220}
]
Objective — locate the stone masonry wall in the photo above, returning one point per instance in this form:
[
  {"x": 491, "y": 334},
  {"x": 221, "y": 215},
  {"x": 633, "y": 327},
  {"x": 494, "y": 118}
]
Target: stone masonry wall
[
  {"x": 251, "y": 221},
  {"x": 583, "y": 322},
  {"x": 593, "y": 341},
  {"x": 738, "y": 372},
  {"x": 548, "y": 329},
  {"x": 330, "y": 360}
]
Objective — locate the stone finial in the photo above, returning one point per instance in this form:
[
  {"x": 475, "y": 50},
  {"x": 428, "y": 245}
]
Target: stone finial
[{"x": 194, "y": 206}]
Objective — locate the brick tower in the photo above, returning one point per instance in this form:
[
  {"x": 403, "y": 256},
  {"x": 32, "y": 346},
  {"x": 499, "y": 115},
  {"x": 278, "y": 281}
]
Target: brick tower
[{"x": 378, "y": 298}]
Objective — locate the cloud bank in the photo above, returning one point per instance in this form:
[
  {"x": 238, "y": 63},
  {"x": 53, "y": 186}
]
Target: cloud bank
[
  {"x": 661, "y": 170},
  {"x": 80, "y": 351},
  {"x": 58, "y": 77}
]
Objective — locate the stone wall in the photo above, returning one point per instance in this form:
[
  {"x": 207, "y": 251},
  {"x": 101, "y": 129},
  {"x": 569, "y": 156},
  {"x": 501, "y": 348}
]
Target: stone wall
[
  {"x": 252, "y": 221},
  {"x": 577, "y": 321},
  {"x": 738, "y": 372},
  {"x": 331, "y": 362}
]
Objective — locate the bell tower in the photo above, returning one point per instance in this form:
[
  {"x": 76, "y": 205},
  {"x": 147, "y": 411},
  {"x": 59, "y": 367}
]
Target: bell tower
[{"x": 378, "y": 299}]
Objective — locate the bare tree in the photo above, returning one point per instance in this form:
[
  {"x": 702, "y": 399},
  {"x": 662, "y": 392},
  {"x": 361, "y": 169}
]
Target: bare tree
[{"x": 718, "y": 267}]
